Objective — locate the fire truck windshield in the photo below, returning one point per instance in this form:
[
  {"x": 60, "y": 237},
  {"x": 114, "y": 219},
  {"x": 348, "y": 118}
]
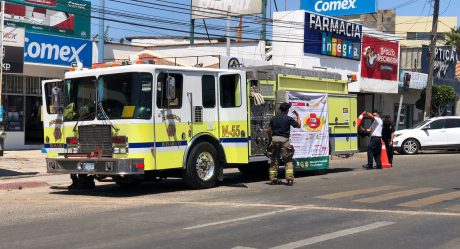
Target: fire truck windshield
[
  {"x": 80, "y": 99},
  {"x": 125, "y": 96}
]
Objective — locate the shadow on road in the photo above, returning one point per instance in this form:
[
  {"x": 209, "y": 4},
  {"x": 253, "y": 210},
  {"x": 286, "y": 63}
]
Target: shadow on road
[
  {"x": 171, "y": 185},
  {"x": 10, "y": 173}
]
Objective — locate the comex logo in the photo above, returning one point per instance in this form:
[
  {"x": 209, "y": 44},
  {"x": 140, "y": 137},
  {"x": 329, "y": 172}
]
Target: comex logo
[
  {"x": 334, "y": 5},
  {"x": 50, "y": 51}
]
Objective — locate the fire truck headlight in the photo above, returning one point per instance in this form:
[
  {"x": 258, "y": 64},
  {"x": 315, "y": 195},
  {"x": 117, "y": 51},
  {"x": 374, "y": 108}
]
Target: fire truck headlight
[{"x": 116, "y": 150}]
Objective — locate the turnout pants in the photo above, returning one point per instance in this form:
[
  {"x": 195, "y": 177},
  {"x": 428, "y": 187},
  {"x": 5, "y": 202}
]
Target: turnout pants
[
  {"x": 281, "y": 147},
  {"x": 373, "y": 152}
]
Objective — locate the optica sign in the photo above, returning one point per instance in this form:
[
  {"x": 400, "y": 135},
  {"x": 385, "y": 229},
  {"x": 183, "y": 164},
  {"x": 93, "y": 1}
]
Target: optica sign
[
  {"x": 57, "y": 50},
  {"x": 339, "y": 7}
]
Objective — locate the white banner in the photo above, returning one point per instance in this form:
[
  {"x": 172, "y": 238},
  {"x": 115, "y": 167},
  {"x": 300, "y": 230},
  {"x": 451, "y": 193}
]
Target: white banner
[
  {"x": 202, "y": 9},
  {"x": 312, "y": 139},
  {"x": 13, "y": 36}
]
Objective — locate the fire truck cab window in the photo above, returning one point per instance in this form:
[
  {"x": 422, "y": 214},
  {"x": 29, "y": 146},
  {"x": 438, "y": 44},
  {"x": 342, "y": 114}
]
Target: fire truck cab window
[
  {"x": 54, "y": 92},
  {"x": 208, "y": 84},
  {"x": 230, "y": 91},
  {"x": 163, "y": 102},
  {"x": 125, "y": 96},
  {"x": 80, "y": 99}
]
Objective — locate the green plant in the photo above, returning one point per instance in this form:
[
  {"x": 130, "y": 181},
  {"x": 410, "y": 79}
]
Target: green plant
[
  {"x": 441, "y": 96},
  {"x": 453, "y": 38}
]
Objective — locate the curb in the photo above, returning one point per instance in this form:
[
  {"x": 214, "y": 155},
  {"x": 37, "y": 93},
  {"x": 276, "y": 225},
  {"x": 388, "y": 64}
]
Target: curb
[{"x": 21, "y": 185}]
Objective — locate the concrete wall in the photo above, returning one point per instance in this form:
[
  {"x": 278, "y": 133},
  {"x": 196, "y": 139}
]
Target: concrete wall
[
  {"x": 149, "y": 42},
  {"x": 406, "y": 24},
  {"x": 249, "y": 50},
  {"x": 287, "y": 47},
  {"x": 15, "y": 141}
]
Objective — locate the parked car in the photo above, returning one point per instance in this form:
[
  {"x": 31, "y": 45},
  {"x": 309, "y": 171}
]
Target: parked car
[{"x": 433, "y": 133}]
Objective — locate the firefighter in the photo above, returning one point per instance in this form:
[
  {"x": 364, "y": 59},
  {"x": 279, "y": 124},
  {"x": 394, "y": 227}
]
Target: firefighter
[{"x": 279, "y": 132}]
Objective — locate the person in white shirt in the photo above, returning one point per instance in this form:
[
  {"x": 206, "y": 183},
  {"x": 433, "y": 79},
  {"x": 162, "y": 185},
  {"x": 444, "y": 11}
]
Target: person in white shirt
[{"x": 375, "y": 144}]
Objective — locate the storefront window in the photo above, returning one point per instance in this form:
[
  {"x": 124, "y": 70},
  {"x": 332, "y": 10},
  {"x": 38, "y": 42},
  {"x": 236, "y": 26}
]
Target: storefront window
[{"x": 13, "y": 113}]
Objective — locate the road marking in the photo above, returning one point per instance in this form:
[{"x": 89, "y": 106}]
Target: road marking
[
  {"x": 431, "y": 200},
  {"x": 334, "y": 235},
  {"x": 395, "y": 195},
  {"x": 357, "y": 192},
  {"x": 240, "y": 219}
]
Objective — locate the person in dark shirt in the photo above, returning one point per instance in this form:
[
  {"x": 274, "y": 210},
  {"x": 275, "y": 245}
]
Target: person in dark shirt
[
  {"x": 388, "y": 134},
  {"x": 280, "y": 131}
]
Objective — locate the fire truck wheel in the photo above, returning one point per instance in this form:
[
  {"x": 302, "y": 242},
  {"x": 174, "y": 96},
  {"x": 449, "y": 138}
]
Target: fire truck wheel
[{"x": 202, "y": 167}]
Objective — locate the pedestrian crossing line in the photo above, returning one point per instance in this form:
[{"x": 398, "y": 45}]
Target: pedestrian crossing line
[
  {"x": 357, "y": 192},
  {"x": 431, "y": 200},
  {"x": 395, "y": 195}
]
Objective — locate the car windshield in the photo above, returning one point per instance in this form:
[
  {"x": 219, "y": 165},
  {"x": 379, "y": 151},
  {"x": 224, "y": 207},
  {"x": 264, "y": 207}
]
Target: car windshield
[
  {"x": 125, "y": 96},
  {"x": 419, "y": 125},
  {"x": 79, "y": 99}
]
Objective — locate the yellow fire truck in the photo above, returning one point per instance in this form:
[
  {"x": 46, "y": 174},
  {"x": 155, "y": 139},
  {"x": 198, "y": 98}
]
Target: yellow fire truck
[{"x": 147, "y": 122}]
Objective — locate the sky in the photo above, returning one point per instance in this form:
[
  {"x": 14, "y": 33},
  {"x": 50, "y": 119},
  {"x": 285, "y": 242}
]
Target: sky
[{"x": 153, "y": 9}]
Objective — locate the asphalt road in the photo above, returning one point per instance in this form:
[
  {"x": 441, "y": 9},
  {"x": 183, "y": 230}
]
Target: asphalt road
[{"x": 416, "y": 204}]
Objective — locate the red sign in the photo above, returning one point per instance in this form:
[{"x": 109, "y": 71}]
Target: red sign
[{"x": 380, "y": 59}]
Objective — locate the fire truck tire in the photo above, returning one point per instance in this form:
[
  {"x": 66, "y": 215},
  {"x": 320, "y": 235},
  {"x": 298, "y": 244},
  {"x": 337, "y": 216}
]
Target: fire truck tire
[{"x": 203, "y": 166}]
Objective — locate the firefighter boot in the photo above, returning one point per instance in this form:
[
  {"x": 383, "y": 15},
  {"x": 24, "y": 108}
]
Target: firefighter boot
[{"x": 289, "y": 172}]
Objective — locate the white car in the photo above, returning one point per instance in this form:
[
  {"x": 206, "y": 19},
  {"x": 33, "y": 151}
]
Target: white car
[{"x": 433, "y": 133}]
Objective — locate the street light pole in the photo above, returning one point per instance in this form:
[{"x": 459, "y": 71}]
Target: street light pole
[{"x": 429, "y": 86}]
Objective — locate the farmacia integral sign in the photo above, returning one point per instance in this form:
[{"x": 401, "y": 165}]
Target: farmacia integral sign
[{"x": 332, "y": 37}]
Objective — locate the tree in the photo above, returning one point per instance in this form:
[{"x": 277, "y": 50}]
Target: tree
[
  {"x": 441, "y": 97},
  {"x": 453, "y": 38}
]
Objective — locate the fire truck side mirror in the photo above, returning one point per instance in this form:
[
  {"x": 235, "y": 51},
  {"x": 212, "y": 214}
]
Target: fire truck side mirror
[{"x": 171, "y": 88}]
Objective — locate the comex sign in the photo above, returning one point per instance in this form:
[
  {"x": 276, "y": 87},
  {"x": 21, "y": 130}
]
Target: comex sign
[
  {"x": 340, "y": 7},
  {"x": 57, "y": 50}
]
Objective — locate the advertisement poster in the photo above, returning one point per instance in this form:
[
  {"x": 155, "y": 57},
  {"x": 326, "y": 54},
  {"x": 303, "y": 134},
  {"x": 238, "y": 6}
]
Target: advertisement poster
[
  {"x": 13, "y": 50},
  {"x": 330, "y": 36},
  {"x": 311, "y": 141},
  {"x": 69, "y": 18},
  {"x": 380, "y": 59},
  {"x": 339, "y": 8}
]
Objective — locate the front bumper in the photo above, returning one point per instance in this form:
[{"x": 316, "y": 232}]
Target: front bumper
[{"x": 95, "y": 166}]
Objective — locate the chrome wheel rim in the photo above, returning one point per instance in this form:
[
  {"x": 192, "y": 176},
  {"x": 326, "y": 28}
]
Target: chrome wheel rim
[
  {"x": 410, "y": 147},
  {"x": 205, "y": 166}
]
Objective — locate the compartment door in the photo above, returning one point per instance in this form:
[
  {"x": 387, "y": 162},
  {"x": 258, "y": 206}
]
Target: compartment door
[
  {"x": 341, "y": 121},
  {"x": 233, "y": 116},
  {"x": 52, "y": 116}
]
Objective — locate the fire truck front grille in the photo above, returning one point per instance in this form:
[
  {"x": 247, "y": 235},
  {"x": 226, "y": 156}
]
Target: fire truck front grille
[{"x": 92, "y": 136}]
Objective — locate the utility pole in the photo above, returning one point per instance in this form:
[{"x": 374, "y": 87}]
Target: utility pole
[
  {"x": 264, "y": 20},
  {"x": 434, "y": 33},
  {"x": 2, "y": 49},
  {"x": 101, "y": 35},
  {"x": 229, "y": 23}
]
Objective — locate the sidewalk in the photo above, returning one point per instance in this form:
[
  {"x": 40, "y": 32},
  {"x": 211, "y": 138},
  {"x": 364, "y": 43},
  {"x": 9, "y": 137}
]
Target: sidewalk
[{"x": 27, "y": 169}]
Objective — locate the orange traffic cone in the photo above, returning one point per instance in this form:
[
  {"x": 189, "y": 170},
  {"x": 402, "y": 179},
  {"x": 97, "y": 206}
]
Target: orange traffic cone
[
  {"x": 384, "y": 157},
  {"x": 359, "y": 120}
]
